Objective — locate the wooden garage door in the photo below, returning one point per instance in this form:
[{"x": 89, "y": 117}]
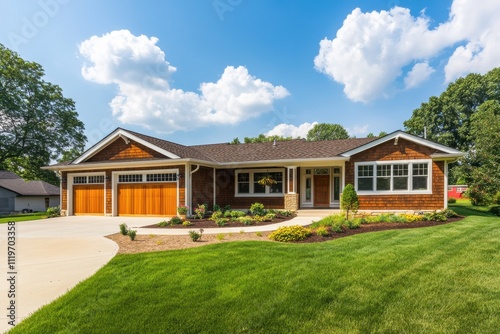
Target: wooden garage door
[
  {"x": 88, "y": 199},
  {"x": 158, "y": 199}
]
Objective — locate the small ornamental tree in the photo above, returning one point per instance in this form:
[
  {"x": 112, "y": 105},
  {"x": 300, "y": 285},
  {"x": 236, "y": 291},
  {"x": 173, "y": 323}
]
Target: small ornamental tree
[{"x": 349, "y": 200}]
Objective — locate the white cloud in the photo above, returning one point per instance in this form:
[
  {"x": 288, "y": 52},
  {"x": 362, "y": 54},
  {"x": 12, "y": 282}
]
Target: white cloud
[
  {"x": 358, "y": 130},
  {"x": 370, "y": 50},
  {"x": 290, "y": 130},
  {"x": 418, "y": 74},
  {"x": 138, "y": 66}
]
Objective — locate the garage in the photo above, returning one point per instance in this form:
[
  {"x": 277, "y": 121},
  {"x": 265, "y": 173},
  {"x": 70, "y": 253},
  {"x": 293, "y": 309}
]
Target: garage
[
  {"x": 88, "y": 199},
  {"x": 147, "y": 194}
]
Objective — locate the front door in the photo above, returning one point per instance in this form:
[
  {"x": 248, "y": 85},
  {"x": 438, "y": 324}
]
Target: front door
[{"x": 321, "y": 190}]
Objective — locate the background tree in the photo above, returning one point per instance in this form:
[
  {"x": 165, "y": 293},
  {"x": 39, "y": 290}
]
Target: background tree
[
  {"x": 326, "y": 131},
  {"x": 262, "y": 138},
  {"x": 448, "y": 117},
  {"x": 38, "y": 124},
  {"x": 483, "y": 176}
]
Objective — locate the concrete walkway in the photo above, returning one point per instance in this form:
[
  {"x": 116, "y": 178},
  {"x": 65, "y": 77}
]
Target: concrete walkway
[{"x": 53, "y": 255}]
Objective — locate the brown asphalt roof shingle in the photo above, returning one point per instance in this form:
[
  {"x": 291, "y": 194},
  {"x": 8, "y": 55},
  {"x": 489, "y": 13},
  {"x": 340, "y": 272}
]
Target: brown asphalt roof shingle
[{"x": 284, "y": 150}]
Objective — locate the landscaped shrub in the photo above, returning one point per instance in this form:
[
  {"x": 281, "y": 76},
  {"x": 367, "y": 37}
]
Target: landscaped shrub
[
  {"x": 123, "y": 229},
  {"x": 452, "y": 200},
  {"x": 221, "y": 221},
  {"x": 54, "y": 211},
  {"x": 496, "y": 198},
  {"x": 330, "y": 221},
  {"x": 257, "y": 209},
  {"x": 495, "y": 210},
  {"x": 217, "y": 208},
  {"x": 396, "y": 219},
  {"x": 200, "y": 211},
  {"x": 449, "y": 213},
  {"x": 270, "y": 216},
  {"x": 435, "y": 216},
  {"x": 360, "y": 220},
  {"x": 478, "y": 196},
  {"x": 195, "y": 236},
  {"x": 290, "y": 233},
  {"x": 353, "y": 224},
  {"x": 175, "y": 221},
  {"x": 412, "y": 218},
  {"x": 237, "y": 213},
  {"x": 322, "y": 231},
  {"x": 338, "y": 226},
  {"x": 216, "y": 215},
  {"x": 245, "y": 220},
  {"x": 186, "y": 223},
  {"x": 349, "y": 200},
  {"x": 285, "y": 213},
  {"x": 131, "y": 234},
  {"x": 163, "y": 223}
]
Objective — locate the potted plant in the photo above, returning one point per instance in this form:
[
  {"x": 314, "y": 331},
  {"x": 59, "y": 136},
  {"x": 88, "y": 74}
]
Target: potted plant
[
  {"x": 182, "y": 211},
  {"x": 267, "y": 181}
]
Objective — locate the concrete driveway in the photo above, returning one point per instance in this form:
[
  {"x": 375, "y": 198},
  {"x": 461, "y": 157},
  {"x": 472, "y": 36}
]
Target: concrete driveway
[{"x": 51, "y": 257}]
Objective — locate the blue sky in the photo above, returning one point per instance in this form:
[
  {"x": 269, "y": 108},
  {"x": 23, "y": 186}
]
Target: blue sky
[{"x": 208, "y": 71}]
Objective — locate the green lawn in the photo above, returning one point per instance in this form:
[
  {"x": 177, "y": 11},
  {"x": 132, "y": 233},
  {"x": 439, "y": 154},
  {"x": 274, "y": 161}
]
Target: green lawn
[
  {"x": 442, "y": 279},
  {"x": 23, "y": 217}
]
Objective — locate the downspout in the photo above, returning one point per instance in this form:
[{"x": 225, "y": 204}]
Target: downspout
[{"x": 190, "y": 199}]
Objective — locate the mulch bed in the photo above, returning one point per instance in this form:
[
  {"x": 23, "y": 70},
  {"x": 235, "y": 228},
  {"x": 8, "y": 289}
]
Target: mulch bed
[
  {"x": 374, "y": 227},
  {"x": 207, "y": 223}
]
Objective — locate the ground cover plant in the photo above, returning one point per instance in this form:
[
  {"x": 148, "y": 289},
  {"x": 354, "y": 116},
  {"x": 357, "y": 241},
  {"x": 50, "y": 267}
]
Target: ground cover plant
[
  {"x": 23, "y": 217},
  {"x": 441, "y": 279}
]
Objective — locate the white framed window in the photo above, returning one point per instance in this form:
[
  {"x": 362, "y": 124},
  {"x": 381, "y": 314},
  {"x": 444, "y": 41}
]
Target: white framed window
[
  {"x": 247, "y": 182},
  {"x": 393, "y": 177},
  {"x": 88, "y": 179}
]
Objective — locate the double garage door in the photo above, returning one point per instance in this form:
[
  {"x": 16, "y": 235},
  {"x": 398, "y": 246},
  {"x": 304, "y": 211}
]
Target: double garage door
[{"x": 149, "y": 198}]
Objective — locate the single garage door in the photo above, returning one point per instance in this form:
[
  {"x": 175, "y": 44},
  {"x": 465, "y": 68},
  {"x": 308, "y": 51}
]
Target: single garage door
[
  {"x": 158, "y": 199},
  {"x": 88, "y": 199}
]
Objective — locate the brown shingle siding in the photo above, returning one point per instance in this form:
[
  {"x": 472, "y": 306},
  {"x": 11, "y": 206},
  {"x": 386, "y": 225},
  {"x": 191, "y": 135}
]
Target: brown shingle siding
[
  {"x": 119, "y": 150},
  {"x": 405, "y": 150}
]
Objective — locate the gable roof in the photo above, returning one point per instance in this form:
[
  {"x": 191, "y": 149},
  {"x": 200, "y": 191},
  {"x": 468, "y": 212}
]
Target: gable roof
[
  {"x": 443, "y": 151},
  {"x": 268, "y": 152},
  {"x": 168, "y": 149},
  {"x": 14, "y": 183}
]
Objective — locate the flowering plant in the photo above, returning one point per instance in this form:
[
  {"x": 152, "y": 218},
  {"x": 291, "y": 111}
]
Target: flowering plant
[
  {"x": 267, "y": 181},
  {"x": 182, "y": 210},
  {"x": 200, "y": 211}
]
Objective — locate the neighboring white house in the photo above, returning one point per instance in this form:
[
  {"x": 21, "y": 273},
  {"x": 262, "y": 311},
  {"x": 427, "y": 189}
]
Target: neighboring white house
[{"x": 26, "y": 196}]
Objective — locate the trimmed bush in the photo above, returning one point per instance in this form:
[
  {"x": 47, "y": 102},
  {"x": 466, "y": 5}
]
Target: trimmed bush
[
  {"x": 123, "y": 229},
  {"x": 435, "y": 216},
  {"x": 330, "y": 221},
  {"x": 322, "y": 231},
  {"x": 353, "y": 224},
  {"x": 449, "y": 213},
  {"x": 257, "y": 209},
  {"x": 495, "y": 210},
  {"x": 245, "y": 220},
  {"x": 186, "y": 223},
  {"x": 216, "y": 215},
  {"x": 163, "y": 223},
  {"x": 349, "y": 200},
  {"x": 290, "y": 233},
  {"x": 195, "y": 236},
  {"x": 131, "y": 234},
  {"x": 175, "y": 221},
  {"x": 269, "y": 217},
  {"x": 452, "y": 200},
  {"x": 221, "y": 221},
  {"x": 237, "y": 213},
  {"x": 54, "y": 211}
]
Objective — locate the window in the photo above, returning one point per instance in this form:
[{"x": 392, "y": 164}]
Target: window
[
  {"x": 382, "y": 177},
  {"x": 96, "y": 179},
  {"x": 321, "y": 171},
  {"x": 130, "y": 178},
  {"x": 420, "y": 173},
  {"x": 365, "y": 177},
  {"x": 243, "y": 183},
  {"x": 79, "y": 179},
  {"x": 247, "y": 182},
  {"x": 165, "y": 177}
]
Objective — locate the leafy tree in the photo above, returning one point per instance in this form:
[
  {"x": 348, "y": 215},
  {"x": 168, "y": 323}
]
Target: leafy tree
[
  {"x": 447, "y": 117},
  {"x": 370, "y": 135},
  {"x": 382, "y": 133},
  {"x": 326, "y": 131},
  {"x": 262, "y": 138},
  {"x": 349, "y": 199},
  {"x": 235, "y": 141},
  {"x": 37, "y": 123},
  {"x": 484, "y": 176}
]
